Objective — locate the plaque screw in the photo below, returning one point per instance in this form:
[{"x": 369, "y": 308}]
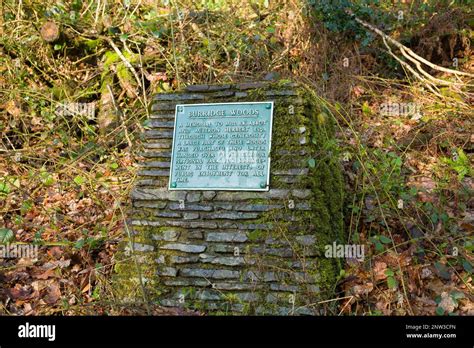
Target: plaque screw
[
  {"x": 263, "y": 185},
  {"x": 269, "y": 106},
  {"x": 173, "y": 184}
]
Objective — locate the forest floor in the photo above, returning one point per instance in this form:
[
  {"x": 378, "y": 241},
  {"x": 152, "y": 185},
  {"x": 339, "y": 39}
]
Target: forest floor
[{"x": 65, "y": 177}]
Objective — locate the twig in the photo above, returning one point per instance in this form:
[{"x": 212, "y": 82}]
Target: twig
[
  {"x": 1, "y": 17},
  {"x": 87, "y": 8},
  {"x": 348, "y": 302},
  {"x": 18, "y": 14},
  {"x": 97, "y": 9},
  {"x": 430, "y": 77},
  {"x": 408, "y": 67},
  {"x": 174, "y": 45},
  {"x": 405, "y": 49},
  {"x": 144, "y": 74},
  {"x": 124, "y": 60}
]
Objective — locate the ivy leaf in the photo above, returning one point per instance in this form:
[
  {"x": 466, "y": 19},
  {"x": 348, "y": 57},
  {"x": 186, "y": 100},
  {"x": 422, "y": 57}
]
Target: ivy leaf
[
  {"x": 392, "y": 283},
  {"x": 270, "y": 30},
  {"x": 79, "y": 180},
  {"x": 4, "y": 188},
  {"x": 467, "y": 266},
  {"x": 379, "y": 247},
  {"x": 444, "y": 217},
  {"x": 367, "y": 40},
  {"x": 439, "y": 310},
  {"x": 46, "y": 178},
  {"x": 442, "y": 271},
  {"x": 456, "y": 295},
  {"x": 79, "y": 244},
  {"x": 6, "y": 236}
]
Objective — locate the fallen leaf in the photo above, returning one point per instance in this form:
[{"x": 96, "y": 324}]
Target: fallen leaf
[
  {"x": 13, "y": 108},
  {"x": 20, "y": 292},
  {"x": 56, "y": 264},
  {"x": 25, "y": 262},
  {"x": 358, "y": 91},
  {"x": 53, "y": 294},
  {"x": 379, "y": 270},
  {"x": 55, "y": 252},
  {"x": 45, "y": 275},
  {"x": 362, "y": 289},
  {"x": 86, "y": 288}
]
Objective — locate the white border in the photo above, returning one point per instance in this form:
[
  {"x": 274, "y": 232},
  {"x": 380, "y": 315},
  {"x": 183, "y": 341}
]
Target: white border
[{"x": 218, "y": 188}]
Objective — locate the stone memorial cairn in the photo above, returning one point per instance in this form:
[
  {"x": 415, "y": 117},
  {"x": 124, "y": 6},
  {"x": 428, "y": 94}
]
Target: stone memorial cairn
[{"x": 238, "y": 252}]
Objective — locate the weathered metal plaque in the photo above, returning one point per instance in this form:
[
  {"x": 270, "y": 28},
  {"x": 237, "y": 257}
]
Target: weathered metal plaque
[{"x": 222, "y": 146}]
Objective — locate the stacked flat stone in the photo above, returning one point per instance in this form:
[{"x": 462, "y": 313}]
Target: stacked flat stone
[{"x": 233, "y": 252}]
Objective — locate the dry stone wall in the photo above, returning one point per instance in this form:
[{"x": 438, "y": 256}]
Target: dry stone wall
[{"x": 238, "y": 252}]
